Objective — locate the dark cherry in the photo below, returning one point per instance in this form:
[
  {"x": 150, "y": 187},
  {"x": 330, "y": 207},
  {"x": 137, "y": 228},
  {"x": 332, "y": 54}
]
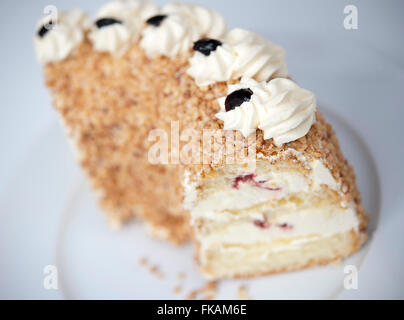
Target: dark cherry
[
  {"x": 104, "y": 22},
  {"x": 206, "y": 46},
  {"x": 156, "y": 20},
  {"x": 237, "y": 98},
  {"x": 44, "y": 29}
]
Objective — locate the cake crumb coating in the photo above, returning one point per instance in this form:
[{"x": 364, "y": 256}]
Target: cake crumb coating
[{"x": 109, "y": 106}]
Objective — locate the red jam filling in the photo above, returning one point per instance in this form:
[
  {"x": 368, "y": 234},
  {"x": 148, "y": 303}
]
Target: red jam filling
[
  {"x": 262, "y": 224},
  {"x": 251, "y": 178},
  {"x": 285, "y": 226}
]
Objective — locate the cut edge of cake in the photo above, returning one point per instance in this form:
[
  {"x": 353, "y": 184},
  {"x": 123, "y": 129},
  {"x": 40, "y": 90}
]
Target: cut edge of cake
[{"x": 284, "y": 206}]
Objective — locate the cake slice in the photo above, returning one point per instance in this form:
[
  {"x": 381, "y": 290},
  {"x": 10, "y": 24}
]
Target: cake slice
[
  {"x": 294, "y": 206},
  {"x": 200, "y": 133}
]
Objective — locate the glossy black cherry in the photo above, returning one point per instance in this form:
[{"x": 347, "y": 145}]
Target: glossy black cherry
[
  {"x": 237, "y": 98},
  {"x": 104, "y": 22},
  {"x": 45, "y": 28},
  {"x": 206, "y": 46},
  {"x": 156, "y": 20}
]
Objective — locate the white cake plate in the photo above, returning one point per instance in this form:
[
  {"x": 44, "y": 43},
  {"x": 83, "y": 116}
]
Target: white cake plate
[
  {"x": 42, "y": 223},
  {"x": 48, "y": 215}
]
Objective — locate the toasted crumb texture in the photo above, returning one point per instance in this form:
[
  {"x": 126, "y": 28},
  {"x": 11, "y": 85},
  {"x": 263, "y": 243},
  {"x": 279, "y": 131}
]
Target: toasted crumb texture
[
  {"x": 109, "y": 106},
  {"x": 207, "y": 292}
]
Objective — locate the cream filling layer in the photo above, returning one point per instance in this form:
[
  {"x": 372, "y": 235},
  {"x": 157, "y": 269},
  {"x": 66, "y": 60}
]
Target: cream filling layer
[
  {"x": 231, "y": 216},
  {"x": 301, "y": 225},
  {"x": 261, "y": 188}
]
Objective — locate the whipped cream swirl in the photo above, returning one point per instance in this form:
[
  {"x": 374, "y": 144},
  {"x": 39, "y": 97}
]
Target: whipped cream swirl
[
  {"x": 140, "y": 10},
  {"x": 130, "y": 14},
  {"x": 243, "y": 54},
  {"x": 183, "y": 25},
  {"x": 289, "y": 113},
  {"x": 284, "y": 111},
  {"x": 172, "y": 38},
  {"x": 211, "y": 23},
  {"x": 57, "y": 39},
  {"x": 256, "y": 57},
  {"x": 243, "y": 118},
  {"x": 215, "y": 67}
]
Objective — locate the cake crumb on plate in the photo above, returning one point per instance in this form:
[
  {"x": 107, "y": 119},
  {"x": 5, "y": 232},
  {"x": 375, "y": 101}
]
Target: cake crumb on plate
[
  {"x": 208, "y": 292},
  {"x": 177, "y": 289},
  {"x": 242, "y": 293}
]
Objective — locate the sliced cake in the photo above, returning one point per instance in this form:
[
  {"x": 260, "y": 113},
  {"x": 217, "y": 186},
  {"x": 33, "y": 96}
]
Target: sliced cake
[
  {"x": 295, "y": 206},
  {"x": 200, "y": 132}
]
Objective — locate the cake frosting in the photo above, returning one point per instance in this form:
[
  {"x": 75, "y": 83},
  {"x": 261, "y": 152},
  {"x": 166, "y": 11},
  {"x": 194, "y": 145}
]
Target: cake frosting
[
  {"x": 256, "y": 57},
  {"x": 289, "y": 113},
  {"x": 173, "y": 37},
  {"x": 283, "y": 110},
  {"x": 215, "y": 67},
  {"x": 55, "y": 40},
  {"x": 126, "y": 20},
  {"x": 113, "y": 38},
  {"x": 139, "y": 10},
  {"x": 181, "y": 26},
  {"x": 211, "y": 24},
  {"x": 245, "y": 117},
  {"x": 242, "y": 54}
]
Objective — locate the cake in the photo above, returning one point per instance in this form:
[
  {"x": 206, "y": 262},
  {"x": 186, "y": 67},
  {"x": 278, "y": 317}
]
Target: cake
[{"x": 201, "y": 133}]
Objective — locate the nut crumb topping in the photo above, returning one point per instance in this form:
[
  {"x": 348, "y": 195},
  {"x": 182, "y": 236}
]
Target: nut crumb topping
[{"x": 109, "y": 106}]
